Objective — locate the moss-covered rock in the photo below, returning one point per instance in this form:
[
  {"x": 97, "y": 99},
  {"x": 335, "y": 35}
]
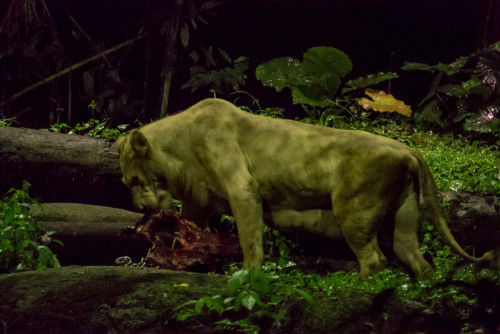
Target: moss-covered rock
[
  {"x": 134, "y": 300},
  {"x": 97, "y": 299}
]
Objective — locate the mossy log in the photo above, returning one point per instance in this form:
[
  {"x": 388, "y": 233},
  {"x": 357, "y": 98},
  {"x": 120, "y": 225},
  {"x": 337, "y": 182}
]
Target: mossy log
[
  {"x": 61, "y": 167},
  {"x": 90, "y": 233},
  {"x": 142, "y": 300}
]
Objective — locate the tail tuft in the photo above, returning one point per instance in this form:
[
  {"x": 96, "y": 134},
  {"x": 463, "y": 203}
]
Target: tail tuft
[{"x": 491, "y": 259}]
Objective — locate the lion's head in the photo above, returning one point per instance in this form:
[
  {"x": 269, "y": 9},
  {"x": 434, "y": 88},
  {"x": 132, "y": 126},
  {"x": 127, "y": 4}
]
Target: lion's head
[{"x": 142, "y": 172}]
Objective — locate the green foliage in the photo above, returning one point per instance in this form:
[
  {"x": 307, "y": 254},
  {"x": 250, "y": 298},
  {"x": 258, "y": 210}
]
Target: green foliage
[
  {"x": 367, "y": 81},
  {"x": 315, "y": 82},
  {"x": 93, "y": 128},
  {"x": 458, "y": 165},
  {"x": 464, "y": 93},
  {"x": 277, "y": 247},
  {"x": 268, "y": 112},
  {"x": 22, "y": 245},
  {"x": 221, "y": 79},
  {"x": 274, "y": 112},
  {"x": 250, "y": 297},
  {"x": 4, "y": 121}
]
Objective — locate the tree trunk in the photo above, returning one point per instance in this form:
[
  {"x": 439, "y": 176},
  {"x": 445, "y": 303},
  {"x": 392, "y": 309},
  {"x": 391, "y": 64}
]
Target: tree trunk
[{"x": 62, "y": 168}]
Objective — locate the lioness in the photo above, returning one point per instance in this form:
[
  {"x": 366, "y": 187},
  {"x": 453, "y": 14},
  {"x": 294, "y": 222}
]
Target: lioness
[{"x": 217, "y": 158}]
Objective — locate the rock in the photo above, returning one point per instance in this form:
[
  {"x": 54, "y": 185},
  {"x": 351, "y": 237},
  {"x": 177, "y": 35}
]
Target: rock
[
  {"x": 97, "y": 299},
  {"x": 475, "y": 220},
  {"x": 142, "y": 300}
]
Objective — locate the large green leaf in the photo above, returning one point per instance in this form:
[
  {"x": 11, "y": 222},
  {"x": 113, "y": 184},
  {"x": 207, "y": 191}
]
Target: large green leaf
[
  {"x": 320, "y": 89},
  {"x": 314, "y": 81},
  {"x": 448, "y": 69},
  {"x": 484, "y": 120},
  {"x": 368, "y": 80},
  {"x": 472, "y": 83},
  {"x": 325, "y": 66},
  {"x": 432, "y": 90},
  {"x": 432, "y": 112},
  {"x": 324, "y": 60},
  {"x": 237, "y": 280},
  {"x": 480, "y": 115},
  {"x": 248, "y": 299},
  {"x": 453, "y": 90},
  {"x": 488, "y": 69},
  {"x": 454, "y": 67},
  {"x": 281, "y": 72},
  {"x": 302, "y": 95},
  {"x": 408, "y": 66}
]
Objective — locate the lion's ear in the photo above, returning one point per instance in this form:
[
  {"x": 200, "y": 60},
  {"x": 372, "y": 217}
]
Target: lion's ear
[{"x": 139, "y": 144}]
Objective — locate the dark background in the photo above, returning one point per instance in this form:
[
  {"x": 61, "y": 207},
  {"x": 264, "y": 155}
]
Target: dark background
[{"x": 378, "y": 35}]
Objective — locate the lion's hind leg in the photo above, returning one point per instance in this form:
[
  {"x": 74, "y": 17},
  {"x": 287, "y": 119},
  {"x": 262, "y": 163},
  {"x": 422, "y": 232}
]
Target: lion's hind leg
[
  {"x": 360, "y": 232},
  {"x": 406, "y": 245}
]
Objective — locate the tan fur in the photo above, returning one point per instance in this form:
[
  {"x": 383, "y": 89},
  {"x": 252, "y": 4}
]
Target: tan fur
[{"x": 216, "y": 158}]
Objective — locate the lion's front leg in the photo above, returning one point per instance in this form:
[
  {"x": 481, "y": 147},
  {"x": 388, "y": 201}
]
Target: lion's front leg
[
  {"x": 247, "y": 211},
  {"x": 236, "y": 184}
]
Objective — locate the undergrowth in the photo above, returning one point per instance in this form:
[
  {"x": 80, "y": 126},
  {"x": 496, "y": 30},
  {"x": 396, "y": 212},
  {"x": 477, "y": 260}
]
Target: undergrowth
[
  {"x": 461, "y": 166},
  {"x": 4, "y": 121},
  {"x": 23, "y": 245},
  {"x": 92, "y": 128}
]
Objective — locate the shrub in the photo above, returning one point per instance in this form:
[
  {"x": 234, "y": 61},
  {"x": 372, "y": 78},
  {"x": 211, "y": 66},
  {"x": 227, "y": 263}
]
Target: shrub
[
  {"x": 465, "y": 94},
  {"x": 22, "y": 244}
]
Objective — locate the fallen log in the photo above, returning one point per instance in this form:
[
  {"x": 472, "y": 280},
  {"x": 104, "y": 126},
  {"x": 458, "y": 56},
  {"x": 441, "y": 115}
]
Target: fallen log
[
  {"x": 90, "y": 233},
  {"x": 97, "y": 235},
  {"x": 61, "y": 167}
]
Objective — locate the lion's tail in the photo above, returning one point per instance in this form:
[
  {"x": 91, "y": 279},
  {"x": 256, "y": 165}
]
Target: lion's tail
[{"x": 428, "y": 191}]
